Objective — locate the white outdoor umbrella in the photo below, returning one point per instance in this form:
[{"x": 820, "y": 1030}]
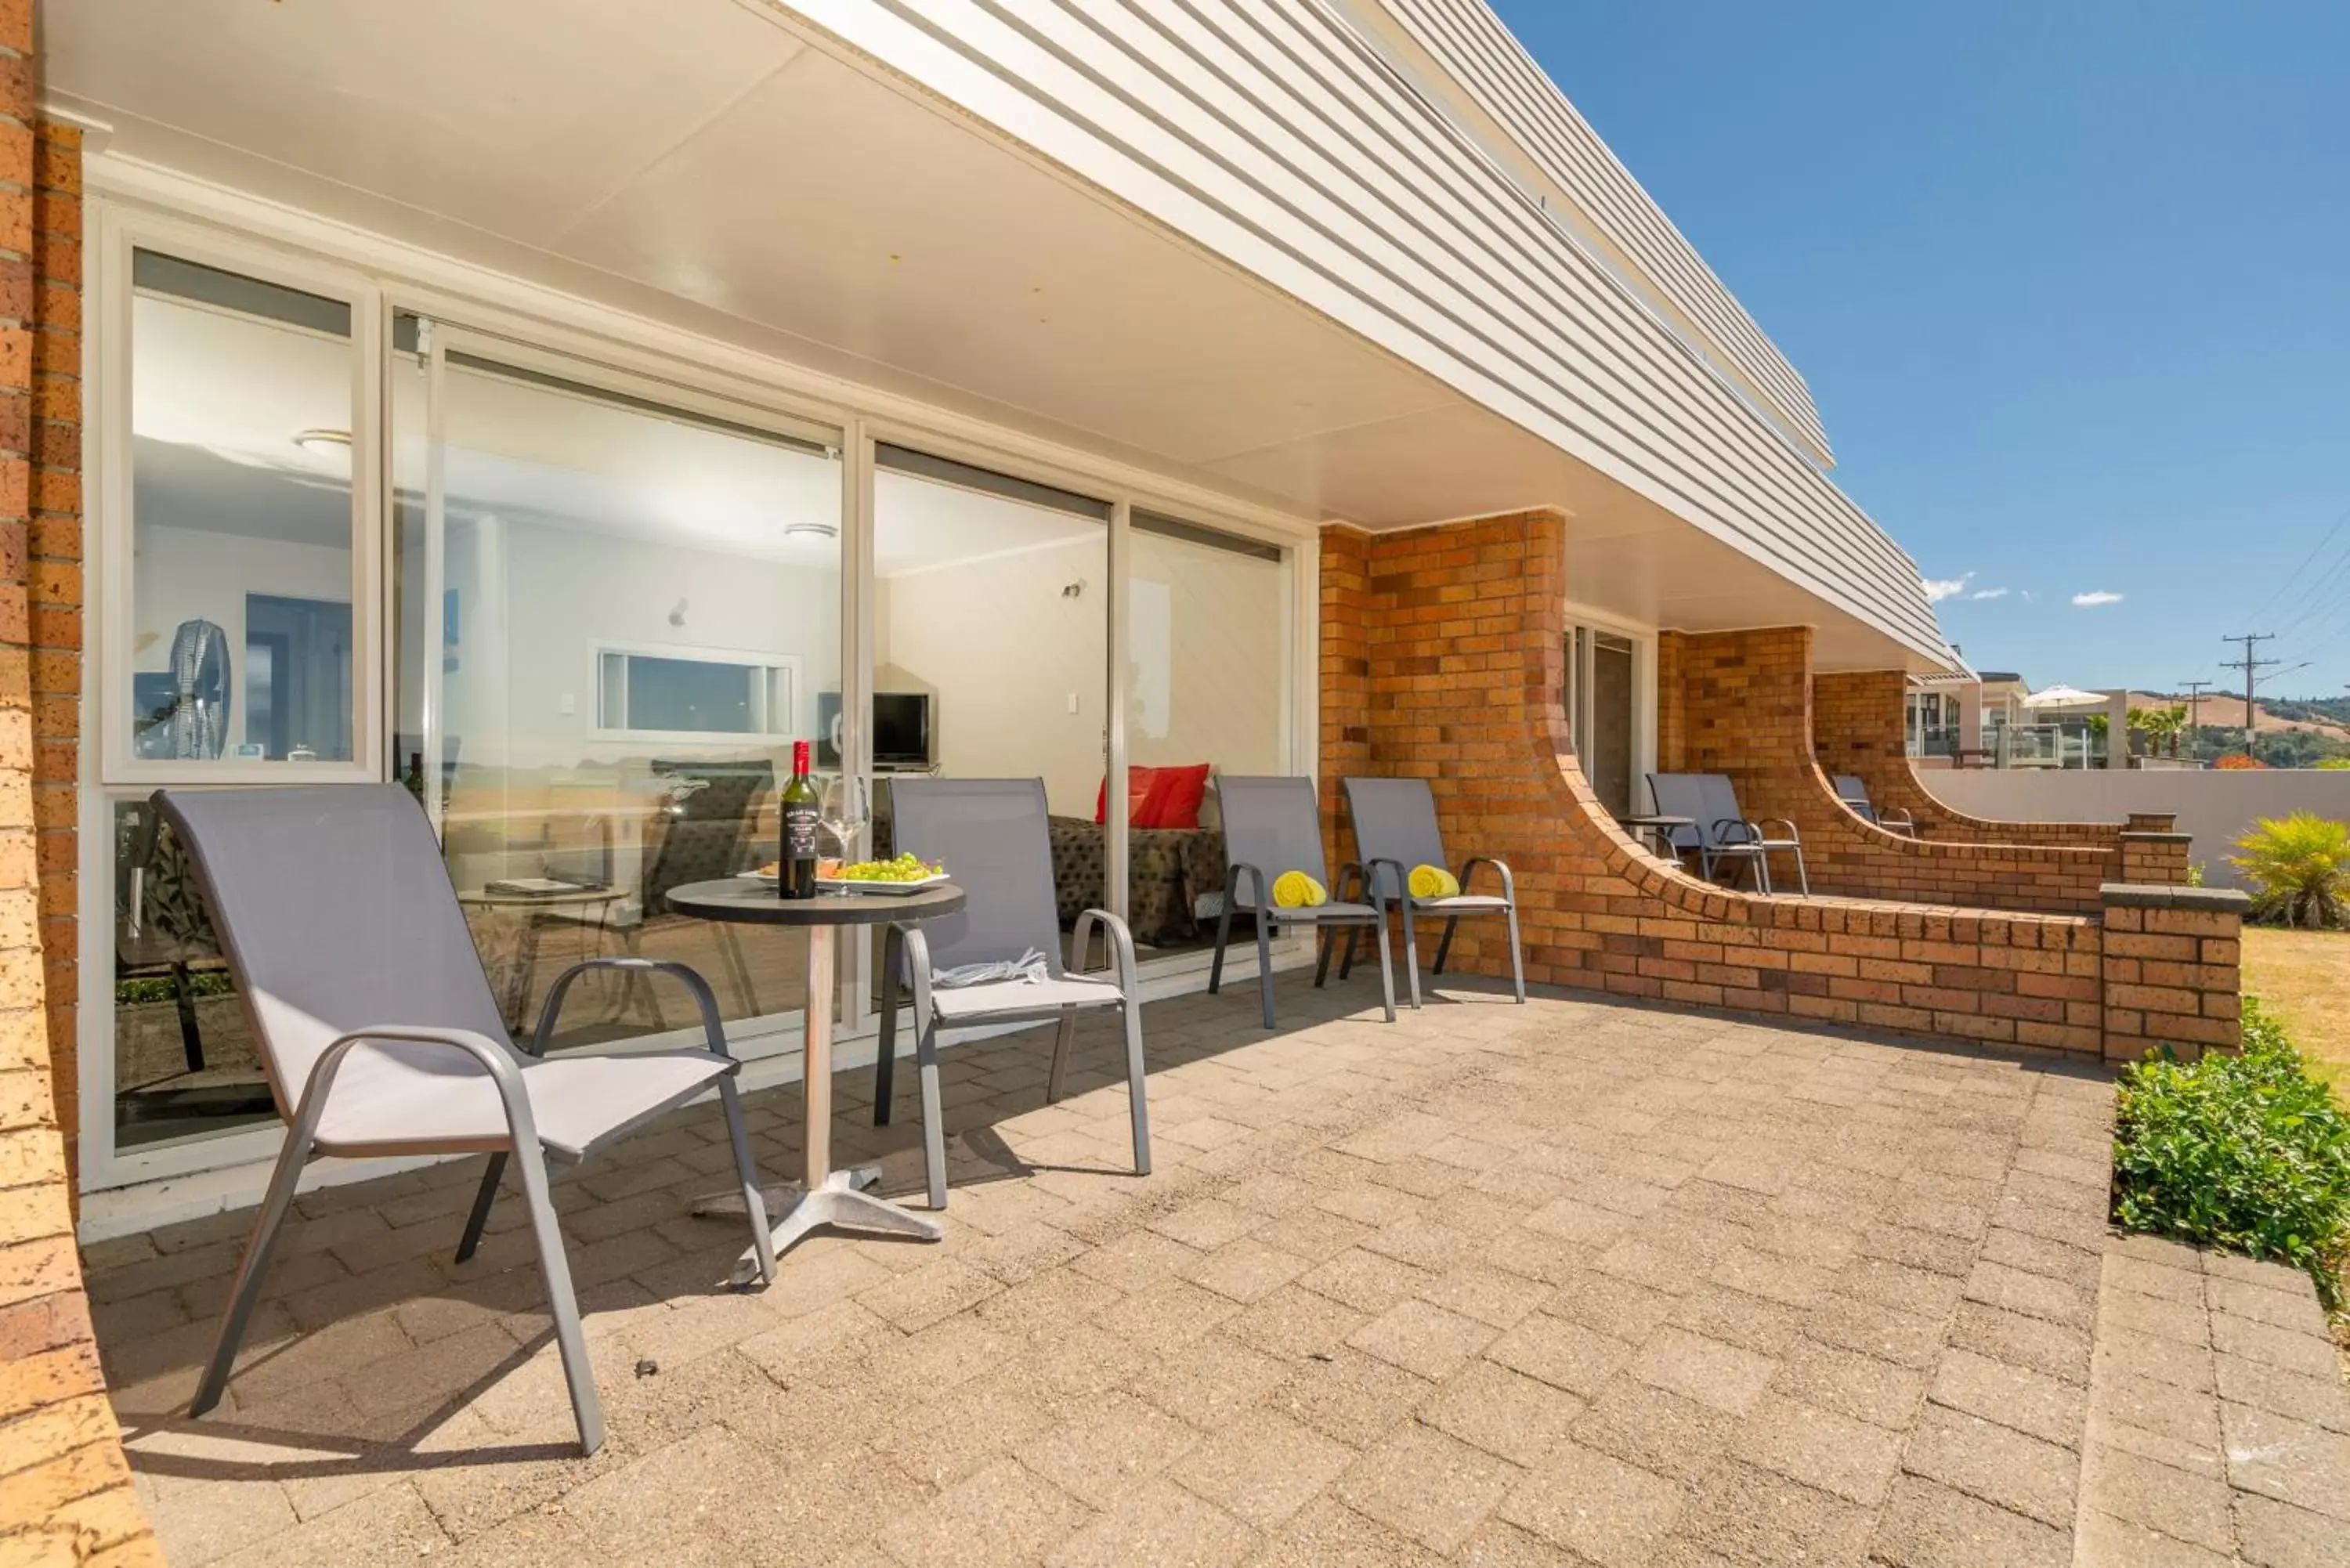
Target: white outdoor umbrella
[{"x": 2063, "y": 697}]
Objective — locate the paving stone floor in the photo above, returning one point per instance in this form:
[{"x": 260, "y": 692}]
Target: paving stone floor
[{"x": 1572, "y": 1283}]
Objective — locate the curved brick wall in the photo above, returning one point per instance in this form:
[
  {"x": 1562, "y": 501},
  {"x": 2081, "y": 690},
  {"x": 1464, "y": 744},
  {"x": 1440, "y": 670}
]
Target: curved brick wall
[
  {"x": 1443, "y": 657},
  {"x": 1747, "y": 710},
  {"x": 1857, "y": 728}
]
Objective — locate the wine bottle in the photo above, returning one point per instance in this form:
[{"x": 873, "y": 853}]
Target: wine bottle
[{"x": 795, "y": 874}]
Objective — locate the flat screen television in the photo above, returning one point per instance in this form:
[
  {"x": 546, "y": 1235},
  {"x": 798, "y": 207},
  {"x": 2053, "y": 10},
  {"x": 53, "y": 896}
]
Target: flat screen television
[{"x": 902, "y": 736}]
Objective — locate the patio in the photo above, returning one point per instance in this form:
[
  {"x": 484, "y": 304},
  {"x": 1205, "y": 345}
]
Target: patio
[{"x": 1495, "y": 1284}]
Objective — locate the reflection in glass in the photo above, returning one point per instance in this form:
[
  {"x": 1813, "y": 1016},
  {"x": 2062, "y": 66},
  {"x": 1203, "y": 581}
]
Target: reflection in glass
[
  {"x": 602, "y": 667},
  {"x": 1207, "y": 681},
  {"x": 241, "y": 643}
]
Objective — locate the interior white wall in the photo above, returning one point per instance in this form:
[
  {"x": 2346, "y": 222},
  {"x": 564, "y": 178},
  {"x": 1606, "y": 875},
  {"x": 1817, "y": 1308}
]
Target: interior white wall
[
  {"x": 186, "y": 574},
  {"x": 1207, "y": 678},
  {"x": 536, "y": 601}
]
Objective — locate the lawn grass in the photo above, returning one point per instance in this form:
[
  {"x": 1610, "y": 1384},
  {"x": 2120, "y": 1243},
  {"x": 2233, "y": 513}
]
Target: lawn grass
[{"x": 2303, "y": 977}]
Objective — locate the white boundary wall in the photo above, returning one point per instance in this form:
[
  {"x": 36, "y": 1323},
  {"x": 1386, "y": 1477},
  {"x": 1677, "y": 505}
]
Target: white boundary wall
[{"x": 2216, "y": 805}]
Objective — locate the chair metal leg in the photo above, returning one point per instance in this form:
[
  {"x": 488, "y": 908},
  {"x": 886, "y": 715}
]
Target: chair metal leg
[
  {"x": 555, "y": 1265},
  {"x": 1517, "y": 957},
  {"x": 482, "y": 1201},
  {"x": 1444, "y": 944},
  {"x": 1346, "y": 962},
  {"x": 1803, "y": 878},
  {"x": 1223, "y": 936},
  {"x": 1762, "y": 874},
  {"x": 1410, "y": 948},
  {"x": 885, "y": 1054},
  {"x": 1387, "y": 970},
  {"x": 1326, "y": 942},
  {"x": 934, "y": 1132},
  {"x": 184, "y": 997},
  {"x": 1064, "y": 1037},
  {"x": 247, "y": 1292},
  {"x": 1137, "y": 1107},
  {"x": 763, "y": 1240},
  {"x": 1265, "y": 963}
]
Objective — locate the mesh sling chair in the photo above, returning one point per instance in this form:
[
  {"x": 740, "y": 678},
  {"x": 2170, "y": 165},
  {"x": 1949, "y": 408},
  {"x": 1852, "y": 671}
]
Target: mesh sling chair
[
  {"x": 991, "y": 836},
  {"x": 1852, "y": 790},
  {"x": 1719, "y": 831},
  {"x": 1272, "y": 825},
  {"x": 1396, "y": 830},
  {"x": 380, "y": 1036}
]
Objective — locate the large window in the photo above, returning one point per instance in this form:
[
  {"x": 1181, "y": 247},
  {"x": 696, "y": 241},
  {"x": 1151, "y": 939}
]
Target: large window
[
  {"x": 675, "y": 693},
  {"x": 1609, "y": 716},
  {"x": 239, "y": 639}
]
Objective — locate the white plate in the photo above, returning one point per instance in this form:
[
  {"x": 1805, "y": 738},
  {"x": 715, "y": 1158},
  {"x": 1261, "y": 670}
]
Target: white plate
[{"x": 845, "y": 885}]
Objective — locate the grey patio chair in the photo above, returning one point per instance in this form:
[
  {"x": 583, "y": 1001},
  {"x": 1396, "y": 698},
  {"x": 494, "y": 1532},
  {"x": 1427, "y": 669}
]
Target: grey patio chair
[
  {"x": 991, "y": 835},
  {"x": 1395, "y": 831},
  {"x": 1719, "y": 831},
  {"x": 1272, "y": 825},
  {"x": 381, "y": 1037},
  {"x": 1852, "y": 790}
]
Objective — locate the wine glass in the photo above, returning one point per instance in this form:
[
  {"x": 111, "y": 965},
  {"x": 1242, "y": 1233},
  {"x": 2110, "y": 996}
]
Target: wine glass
[{"x": 842, "y": 811}]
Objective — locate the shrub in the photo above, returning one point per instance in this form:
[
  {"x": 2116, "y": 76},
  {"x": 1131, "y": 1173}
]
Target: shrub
[
  {"x": 2235, "y": 760},
  {"x": 2334, "y": 763},
  {"x": 2246, "y": 1152},
  {"x": 2299, "y": 867}
]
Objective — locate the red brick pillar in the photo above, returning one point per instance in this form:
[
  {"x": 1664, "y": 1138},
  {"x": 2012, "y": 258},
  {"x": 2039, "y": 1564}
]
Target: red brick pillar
[
  {"x": 65, "y": 1495},
  {"x": 2172, "y": 971},
  {"x": 1344, "y": 673}
]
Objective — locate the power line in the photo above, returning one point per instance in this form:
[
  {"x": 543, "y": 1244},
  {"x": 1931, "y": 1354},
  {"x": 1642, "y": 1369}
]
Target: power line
[
  {"x": 2248, "y": 664},
  {"x": 2296, "y": 575}
]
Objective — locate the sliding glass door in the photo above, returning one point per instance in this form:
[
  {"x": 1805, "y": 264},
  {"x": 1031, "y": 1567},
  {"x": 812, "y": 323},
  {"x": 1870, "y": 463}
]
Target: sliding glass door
[{"x": 616, "y": 615}]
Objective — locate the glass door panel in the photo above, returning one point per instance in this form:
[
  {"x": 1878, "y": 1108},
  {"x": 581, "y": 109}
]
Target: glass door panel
[
  {"x": 1209, "y": 637},
  {"x": 616, "y": 617},
  {"x": 991, "y": 647}
]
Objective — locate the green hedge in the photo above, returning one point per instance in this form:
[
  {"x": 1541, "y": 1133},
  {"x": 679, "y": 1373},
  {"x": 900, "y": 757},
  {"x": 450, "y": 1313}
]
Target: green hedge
[{"x": 2246, "y": 1152}]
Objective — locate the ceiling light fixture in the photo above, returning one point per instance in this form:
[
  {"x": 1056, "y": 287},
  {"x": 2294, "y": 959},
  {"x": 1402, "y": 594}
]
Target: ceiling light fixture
[
  {"x": 811, "y": 530},
  {"x": 323, "y": 441}
]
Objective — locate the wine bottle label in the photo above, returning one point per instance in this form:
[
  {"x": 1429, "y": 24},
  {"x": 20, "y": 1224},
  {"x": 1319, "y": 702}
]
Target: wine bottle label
[{"x": 799, "y": 832}]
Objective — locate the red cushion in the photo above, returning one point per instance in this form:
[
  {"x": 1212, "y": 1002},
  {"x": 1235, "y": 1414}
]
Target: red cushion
[
  {"x": 1137, "y": 792},
  {"x": 1174, "y": 798}
]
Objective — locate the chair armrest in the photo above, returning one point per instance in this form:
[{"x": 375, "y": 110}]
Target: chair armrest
[
  {"x": 1362, "y": 879},
  {"x": 1370, "y": 870},
  {"x": 504, "y": 1071},
  {"x": 1232, "y": 885},
  {"x": 1509, "y": 883},
  {"x": 1723, "y": 830},
  {"x": 1793, "y": 836},
  {"x": 1121, "y": 942},
  {"x": 704, "y": 1000}
]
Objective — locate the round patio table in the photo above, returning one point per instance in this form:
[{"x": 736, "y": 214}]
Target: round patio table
[
  {"x": 834, "y": 1198},
  {"x": 1660, "y": 828}
]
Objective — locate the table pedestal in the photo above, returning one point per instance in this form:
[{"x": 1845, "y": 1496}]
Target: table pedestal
[{"x": 827, "y": 1197}]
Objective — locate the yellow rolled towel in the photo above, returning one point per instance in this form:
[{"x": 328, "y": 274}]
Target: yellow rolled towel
[
  {"x": 1297, "y": 891},
  {"x": 1434, "y": 882}
]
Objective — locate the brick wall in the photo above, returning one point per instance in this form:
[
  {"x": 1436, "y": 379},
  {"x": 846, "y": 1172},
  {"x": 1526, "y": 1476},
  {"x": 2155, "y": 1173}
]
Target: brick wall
[
  {"x": 1857, "y": 728},
  {"x": 1747, "y": 699},
  {"x": 2171, "y": 970},
  {"x": 1463, "y": 629},
  {"x": 65, "y": 1489}
]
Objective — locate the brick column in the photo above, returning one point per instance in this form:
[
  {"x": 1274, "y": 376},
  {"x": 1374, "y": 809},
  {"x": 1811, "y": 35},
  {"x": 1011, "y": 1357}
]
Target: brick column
[
  {"x": 65, "y": 1489},
  {"x": 1857, "y": 728},
  {"x": 2153, "y": 853},
  {"x": 2171, "y": 970}
]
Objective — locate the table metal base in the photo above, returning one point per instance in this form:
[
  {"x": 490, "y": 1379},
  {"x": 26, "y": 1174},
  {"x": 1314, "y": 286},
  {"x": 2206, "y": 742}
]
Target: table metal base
[{"x": 840, "y": 1203}]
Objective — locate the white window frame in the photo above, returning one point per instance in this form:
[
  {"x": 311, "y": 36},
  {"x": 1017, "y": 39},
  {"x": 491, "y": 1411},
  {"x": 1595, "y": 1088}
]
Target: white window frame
[
  {"x": 664, "y": 362},
  {"x": 1579, "y": 688},
  {"x": 111, "y": 527},
  {"x": 787, "y": 664}
]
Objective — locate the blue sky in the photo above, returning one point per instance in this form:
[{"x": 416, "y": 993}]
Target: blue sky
[{"x": 2070, "y": 280}]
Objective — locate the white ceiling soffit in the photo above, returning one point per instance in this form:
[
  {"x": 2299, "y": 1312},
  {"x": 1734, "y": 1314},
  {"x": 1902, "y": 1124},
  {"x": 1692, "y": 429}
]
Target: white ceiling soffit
[
  {"x": 722, "y": 177},
  {"x": 1272, "y": 132},
  {"x": 1500, "y": 91}
]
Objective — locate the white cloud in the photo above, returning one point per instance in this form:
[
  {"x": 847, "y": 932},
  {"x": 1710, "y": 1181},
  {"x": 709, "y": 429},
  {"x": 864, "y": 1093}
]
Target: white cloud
[
  {"x": 2027, "y": 595},
  {"x": 2096, "y": 597},
  {"x": 1941, "y": 588},
  {"x": 1988, "y": 593}
]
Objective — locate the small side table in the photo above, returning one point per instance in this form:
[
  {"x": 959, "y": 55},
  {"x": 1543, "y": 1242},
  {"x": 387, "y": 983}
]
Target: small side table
[
  {"x": 1661, "y": 829},
  {"x": 834, "y": 1198}
]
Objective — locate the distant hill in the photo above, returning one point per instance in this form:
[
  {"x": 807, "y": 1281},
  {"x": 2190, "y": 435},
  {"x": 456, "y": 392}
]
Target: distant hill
[{"x": 2325, "y": 716}]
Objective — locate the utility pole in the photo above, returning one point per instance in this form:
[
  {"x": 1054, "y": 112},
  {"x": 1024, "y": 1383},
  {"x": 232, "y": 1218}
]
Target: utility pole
[
  {"x": 2248, "y": 664},
  {"x": 2194, "y": 714}
]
